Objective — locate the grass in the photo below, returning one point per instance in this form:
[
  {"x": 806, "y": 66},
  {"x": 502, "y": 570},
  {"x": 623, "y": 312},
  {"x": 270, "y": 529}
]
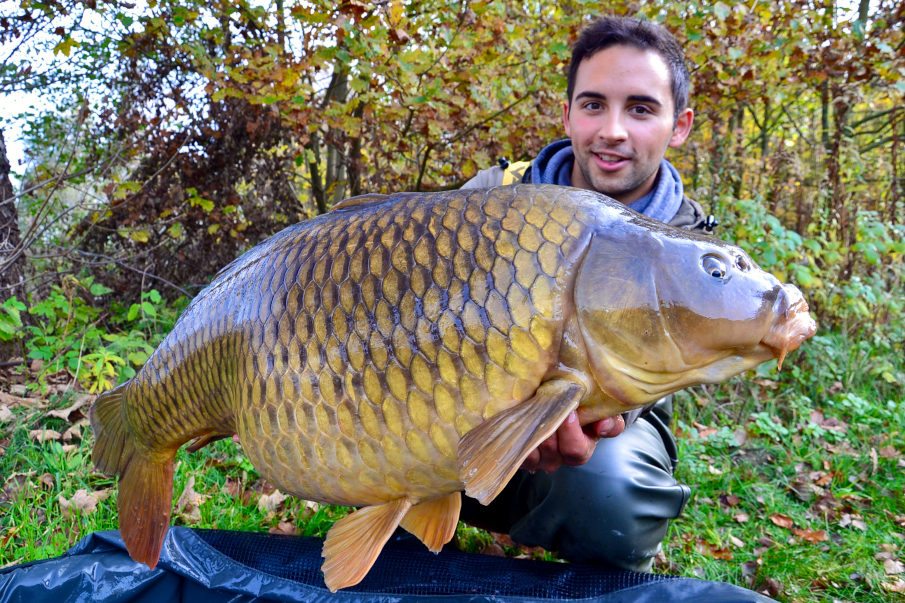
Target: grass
[{"x": 798, "y": 481}]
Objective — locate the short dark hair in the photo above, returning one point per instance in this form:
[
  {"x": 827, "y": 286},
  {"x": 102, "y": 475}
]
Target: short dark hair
[{"x": 611, "y": 31}]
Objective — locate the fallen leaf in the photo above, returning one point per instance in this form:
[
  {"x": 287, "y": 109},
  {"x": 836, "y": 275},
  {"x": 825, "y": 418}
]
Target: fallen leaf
[
  {"x": 888, "y": 452},
  {"x": 66, "y": 413},
  {"x": 13, "y": 400},
  {"x": 811, "y": 535},
  {"x": 189, "y": 503},
  {"x": 704, "y": 431},
  {"x": 284, "y": 527},
  {"x": 893, "y": 567},
  {"x": 729, "y": 500},
  {"x": 783, "y": 521},
  {"x": 74, "y": 432},
  {"x": 6, "y": 415},
  {"x": 741, "y": 517},
  {"x": 43, "y": 435},
  {"x": 897, "y": 586},
  {"x": 82, "y": 500},
  {"x": 738, "y": 542},
  {"x": 270, "y": 502},
  {"x": 773, "y": 588}
]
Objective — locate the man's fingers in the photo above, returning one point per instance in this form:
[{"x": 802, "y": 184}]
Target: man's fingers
[
  {"x": 575, "y": 446},
  {"x": 606, "y": 428}
]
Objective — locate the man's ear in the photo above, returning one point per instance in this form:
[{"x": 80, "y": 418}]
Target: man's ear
[
  {"x": 565, "y": 118},
  {"x": 682, "y": 128}
]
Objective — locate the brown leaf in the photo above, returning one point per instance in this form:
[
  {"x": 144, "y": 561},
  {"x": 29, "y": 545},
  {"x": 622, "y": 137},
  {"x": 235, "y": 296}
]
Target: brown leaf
[
  {"x": 82, "y": 501},
  {"x": 13, "y": 401},
  {"x": 889, "y": 452},
  {"x": 811, "y": 535},
  {"x": 72, "y": 413},
  {"x": 783, "y": 521},
  {"x": 773, "y": 587},
  {"x": 269, "y": 503},
  {"x": 897, "y": 586},
  {"x": 6, "y": 414},
  {"x": 893, "y": 567},
  {"x": 729, "y": 500},
  {"x": 189, "y": 504},
  {"x": 741, "y": 517},
  {"x": 43, "y": 435},
  {"x": 284, "y": 527}
]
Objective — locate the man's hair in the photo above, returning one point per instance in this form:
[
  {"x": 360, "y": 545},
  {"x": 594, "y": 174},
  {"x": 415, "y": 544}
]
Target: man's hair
[{"x": 628, "y": 31}]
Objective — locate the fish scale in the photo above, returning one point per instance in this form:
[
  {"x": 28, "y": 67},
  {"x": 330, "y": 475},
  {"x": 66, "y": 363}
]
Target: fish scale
[
  {"x": 401, "y": 349},
  {"x": 399, "y": 361}
]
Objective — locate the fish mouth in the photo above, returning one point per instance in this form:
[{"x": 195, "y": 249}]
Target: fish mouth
[{"x": 794, "y": 324}]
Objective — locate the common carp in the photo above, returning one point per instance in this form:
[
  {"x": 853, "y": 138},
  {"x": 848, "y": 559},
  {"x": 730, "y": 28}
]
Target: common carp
[{"x": 403, "y": 348}]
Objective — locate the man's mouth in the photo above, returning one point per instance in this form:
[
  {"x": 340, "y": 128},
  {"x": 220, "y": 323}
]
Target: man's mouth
[{"x": 609, "y": 161}]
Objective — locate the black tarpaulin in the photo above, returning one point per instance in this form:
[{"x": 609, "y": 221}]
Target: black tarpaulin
[{"x": 217, "y": 566}]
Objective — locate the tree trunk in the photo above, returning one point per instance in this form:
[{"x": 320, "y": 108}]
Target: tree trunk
[{"x": 12, "y": 261}]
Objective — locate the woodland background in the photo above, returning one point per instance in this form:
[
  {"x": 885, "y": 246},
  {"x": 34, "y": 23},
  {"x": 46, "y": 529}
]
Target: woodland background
[{"x": 173, "y": 136}]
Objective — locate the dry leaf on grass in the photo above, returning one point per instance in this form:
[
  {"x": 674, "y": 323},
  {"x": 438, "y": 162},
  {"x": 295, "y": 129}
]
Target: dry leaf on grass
[
  {"x": 269, "y": 503},
  {"x": 811, "y": 535},
  {"x": 285, "y": 527},
  {"x": 43, "y": 435},
  {"x": 6, "y": 415},
  {"x": 70, "y": 414},
  {"x": 893, "y": 567},
  {"x": 189, "y": 504},
  {"x": 783, "y": 521},
  {"x": 82, "y": 501},
  {"x": 897, "y": 586}
]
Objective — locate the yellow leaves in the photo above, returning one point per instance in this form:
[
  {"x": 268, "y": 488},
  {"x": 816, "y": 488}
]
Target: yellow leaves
[{"x": 65, "y": 46}]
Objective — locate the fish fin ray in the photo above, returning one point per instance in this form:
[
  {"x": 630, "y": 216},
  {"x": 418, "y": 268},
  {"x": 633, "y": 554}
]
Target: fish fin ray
[
  {"x": 360, "y": 200},
  {"x": 145, "y": 485},
  {"x": 492, "y": 452},
  {"x": 205, "y": 439},
  {"x": 434, "y": 521},
  {"x": 354, "y": 542}
]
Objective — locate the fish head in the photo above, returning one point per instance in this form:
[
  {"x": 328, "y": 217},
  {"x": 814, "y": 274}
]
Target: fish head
[{"x": 661, "y": 309}]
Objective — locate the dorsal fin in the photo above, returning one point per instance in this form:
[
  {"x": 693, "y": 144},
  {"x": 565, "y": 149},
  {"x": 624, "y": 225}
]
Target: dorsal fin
[{"x": 360, "y": 200}]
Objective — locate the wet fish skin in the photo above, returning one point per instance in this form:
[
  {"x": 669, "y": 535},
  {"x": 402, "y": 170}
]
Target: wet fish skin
[{"x": 360, "y": 355}]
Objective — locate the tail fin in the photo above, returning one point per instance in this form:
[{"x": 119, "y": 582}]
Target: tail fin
[{"x": 145, "y": 484}]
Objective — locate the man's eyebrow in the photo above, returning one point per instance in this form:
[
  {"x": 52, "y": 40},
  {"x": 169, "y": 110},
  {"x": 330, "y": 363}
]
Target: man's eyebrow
[{"x": 637, "y": 98}]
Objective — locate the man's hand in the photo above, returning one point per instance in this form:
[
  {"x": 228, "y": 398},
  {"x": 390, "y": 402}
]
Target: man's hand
[{"x": 572, "y": 444}]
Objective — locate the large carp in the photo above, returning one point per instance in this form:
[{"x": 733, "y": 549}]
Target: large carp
[{"x": 400, "y": 349}]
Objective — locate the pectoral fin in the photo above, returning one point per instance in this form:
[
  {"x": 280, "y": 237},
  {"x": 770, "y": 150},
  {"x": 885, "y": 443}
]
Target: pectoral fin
[
  {"x": 353, "y": 543},
  {"x": 434, "y": 521},
  {"x": 491, "y": 453}
]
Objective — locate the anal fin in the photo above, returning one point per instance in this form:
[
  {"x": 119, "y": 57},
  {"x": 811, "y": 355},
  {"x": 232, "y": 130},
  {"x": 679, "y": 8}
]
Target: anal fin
[
  {"x": 434, "y": 521},
  {"x": 491, "y": 453},
  {"x": 353, "y": 543}
]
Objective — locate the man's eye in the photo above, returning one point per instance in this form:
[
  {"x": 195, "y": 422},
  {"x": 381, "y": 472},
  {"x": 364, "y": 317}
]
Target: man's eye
[
  {"x": 640, "y": 110},
  {"x": 592, "y": 106}
]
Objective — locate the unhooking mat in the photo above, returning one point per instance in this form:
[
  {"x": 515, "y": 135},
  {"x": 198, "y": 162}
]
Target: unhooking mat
[{"x": 215, "y": 566}]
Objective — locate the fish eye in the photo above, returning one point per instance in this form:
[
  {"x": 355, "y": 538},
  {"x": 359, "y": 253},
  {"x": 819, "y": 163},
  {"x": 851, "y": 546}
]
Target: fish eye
[{"x": 713, "y": 266}]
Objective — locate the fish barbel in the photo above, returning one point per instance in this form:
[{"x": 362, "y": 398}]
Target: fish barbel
[{"x": 403, "y": 348}]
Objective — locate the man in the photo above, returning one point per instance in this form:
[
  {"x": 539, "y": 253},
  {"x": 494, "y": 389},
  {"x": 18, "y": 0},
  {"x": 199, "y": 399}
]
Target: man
[{"x": 627, "y": 102}]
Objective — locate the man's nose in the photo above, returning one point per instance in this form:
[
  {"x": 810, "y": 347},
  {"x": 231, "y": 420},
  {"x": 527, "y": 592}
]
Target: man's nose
[{"x": 612, "y": 127}]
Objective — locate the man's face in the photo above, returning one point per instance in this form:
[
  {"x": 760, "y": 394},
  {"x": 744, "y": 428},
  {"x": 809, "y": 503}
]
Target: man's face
[{"x": 621, "y": 121}]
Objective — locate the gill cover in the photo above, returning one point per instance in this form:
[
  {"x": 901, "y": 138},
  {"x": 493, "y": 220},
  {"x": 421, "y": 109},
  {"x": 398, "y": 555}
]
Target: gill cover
[{"x": 661, "y": 309}]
